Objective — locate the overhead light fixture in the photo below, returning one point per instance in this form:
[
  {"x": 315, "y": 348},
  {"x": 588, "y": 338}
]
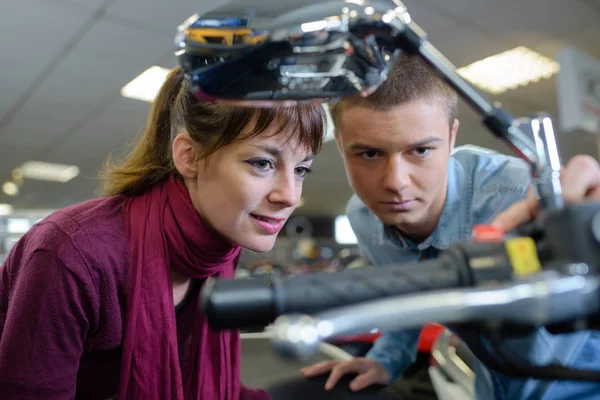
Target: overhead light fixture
[
  {"x": 45, "y": 171},
  {"x": 6, "y": 209},
  {"x": 145, "y": 87},
  {"x": 10, "y": 188},
  {"x": 509, "y": 70}
]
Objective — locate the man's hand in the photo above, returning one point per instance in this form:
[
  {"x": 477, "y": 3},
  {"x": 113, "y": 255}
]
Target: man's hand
[
  {"x": 580, "y": 181},
  {"x": 369, "y": 372}
]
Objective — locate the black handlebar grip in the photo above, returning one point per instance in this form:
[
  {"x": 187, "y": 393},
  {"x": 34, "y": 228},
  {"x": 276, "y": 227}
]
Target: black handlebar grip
[
  {"x": 238, "y": 303},
  {"x": 256, "y": 302}
]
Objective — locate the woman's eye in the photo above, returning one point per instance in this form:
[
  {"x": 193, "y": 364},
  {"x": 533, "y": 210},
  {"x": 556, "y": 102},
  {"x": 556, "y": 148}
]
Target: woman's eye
[
  {"x": 262, "y": 164},
  {"x": 303, "y": 171}
]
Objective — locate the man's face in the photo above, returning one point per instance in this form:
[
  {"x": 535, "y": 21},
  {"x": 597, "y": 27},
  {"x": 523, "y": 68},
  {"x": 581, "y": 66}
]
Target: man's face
[{"x": 396, "y": 162}]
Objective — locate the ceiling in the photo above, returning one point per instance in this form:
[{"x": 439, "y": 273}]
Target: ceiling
[{"x": 65, "y": 62}]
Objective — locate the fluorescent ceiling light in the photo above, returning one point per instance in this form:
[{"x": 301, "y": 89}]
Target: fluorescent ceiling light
[
  {"x": 146, "y": 86},
  {"x": 509, "y": 70},
  {"x": 6, "y": 209},
  {"x": 48, "y": 171}
]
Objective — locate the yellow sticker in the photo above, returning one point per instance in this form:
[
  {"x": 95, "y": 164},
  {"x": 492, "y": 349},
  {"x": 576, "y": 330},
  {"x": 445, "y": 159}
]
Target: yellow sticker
[{"x": 523, "y": 255}]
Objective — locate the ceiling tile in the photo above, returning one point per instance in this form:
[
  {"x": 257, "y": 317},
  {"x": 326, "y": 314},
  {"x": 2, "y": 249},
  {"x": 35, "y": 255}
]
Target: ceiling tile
[
  {"x": 538, "y": 96},
  {"x": 261, "y": 8},
  {"x": 462, "y": 45},
  {"x": 124, "y": 44},
  {"x": 77, "y": 86},
  {"x": 20, "y": 65},
  {"x": 465, "y": 9},
  {"x": 587, "y": 40},
  {"x": 537, "y": 19},
  {"x": 160, "y": 14},
  {"x": 12, "y": 157},
  {"x": 116, "y": 126},
  {"x": 436, "y": 25},
  {"x": 77, "y": 5}
]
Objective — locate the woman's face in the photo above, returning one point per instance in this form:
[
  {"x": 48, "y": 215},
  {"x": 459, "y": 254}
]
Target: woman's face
[{"x": 247, "y": 190}]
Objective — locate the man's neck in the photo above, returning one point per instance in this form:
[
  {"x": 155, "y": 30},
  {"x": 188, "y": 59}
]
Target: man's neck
[{"x": 417, "y": 233}]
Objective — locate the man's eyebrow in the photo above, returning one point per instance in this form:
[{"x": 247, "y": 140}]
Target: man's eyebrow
[
  {"x": 364, "y": 147},
  {"x": 425, "y": 142},
  {"x": 355, "y": 147}
]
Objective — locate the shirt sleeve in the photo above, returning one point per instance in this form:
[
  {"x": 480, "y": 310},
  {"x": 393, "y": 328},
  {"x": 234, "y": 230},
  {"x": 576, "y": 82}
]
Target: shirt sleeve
[
  {"x": 45, "y": 328},
  {"x": 396, "y": 351}
]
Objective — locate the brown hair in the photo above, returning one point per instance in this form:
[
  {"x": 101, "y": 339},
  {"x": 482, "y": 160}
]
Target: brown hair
[
  {"x": 408, "y": 80},
  {"x": 210, "y": 125}
]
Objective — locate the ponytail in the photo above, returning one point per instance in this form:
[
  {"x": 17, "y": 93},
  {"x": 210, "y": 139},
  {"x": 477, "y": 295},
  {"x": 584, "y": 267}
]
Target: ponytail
[{"x": 150, "y": 161}]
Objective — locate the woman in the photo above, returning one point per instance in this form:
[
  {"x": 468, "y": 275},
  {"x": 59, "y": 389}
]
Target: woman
[{"x": 99, "y": 300}]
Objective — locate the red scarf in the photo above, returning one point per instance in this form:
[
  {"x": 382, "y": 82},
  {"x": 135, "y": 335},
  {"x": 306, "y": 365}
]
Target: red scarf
[{"x": 165, "y": 231}]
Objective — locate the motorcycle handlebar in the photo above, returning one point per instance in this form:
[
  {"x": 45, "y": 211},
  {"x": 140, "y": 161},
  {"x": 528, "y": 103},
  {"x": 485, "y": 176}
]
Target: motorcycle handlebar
[
  {"x": 544, "y": 298},
  {"x": 257, "y": 302}
]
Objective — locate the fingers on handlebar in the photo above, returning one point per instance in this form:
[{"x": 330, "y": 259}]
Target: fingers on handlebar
[
  {"x": 516, "y": 215},
  {"x": 594, "y": 194},
  {"x": 340, "y": 370},
  {"x": 581, "y": 179},
  {"x": 318, "y": 368},
  {"x": 366, "y": 379}
]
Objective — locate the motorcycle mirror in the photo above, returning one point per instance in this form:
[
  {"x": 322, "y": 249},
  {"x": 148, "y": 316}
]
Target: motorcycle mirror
[{"x": 275, "y": 53}]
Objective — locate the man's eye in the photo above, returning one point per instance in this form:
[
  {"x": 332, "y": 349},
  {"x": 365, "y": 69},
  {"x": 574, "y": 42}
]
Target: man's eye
[
  {"x": 370, "y": 154},
  {"x": 422, "y": 151}
]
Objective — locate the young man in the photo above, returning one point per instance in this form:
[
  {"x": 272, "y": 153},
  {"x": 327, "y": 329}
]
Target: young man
[{"x": 415, "y": 195}]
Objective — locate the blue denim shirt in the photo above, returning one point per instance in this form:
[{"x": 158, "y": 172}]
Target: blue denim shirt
[{"x": 481, "y": 184}]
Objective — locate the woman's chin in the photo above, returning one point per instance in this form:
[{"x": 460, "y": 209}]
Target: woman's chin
[{"x": 259, "y": 244}]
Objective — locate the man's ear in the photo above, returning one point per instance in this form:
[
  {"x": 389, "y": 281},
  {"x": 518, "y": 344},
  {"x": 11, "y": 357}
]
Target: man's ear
[
  {"x": 453, "y": 133},
  {"x": 184, "y": 155}
]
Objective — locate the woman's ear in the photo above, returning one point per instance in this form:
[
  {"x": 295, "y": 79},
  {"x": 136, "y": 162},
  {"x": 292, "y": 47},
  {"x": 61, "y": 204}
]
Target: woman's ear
[{"x": 184, "y": 155}]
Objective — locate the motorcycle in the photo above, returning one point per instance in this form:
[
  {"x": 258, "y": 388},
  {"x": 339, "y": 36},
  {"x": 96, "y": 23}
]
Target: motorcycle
[{"x": 544, "y": 274}]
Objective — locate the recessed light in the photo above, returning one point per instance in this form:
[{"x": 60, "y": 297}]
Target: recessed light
[
  {"x": 10, "y": 188},
  {"x": 48, "y": 171},
  {"x": 509, "y": 70},
  {"x": 146, "y": 86}
]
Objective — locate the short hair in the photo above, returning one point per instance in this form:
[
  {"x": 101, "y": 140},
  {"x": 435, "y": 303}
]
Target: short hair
[{"x": 409, "y": 80}]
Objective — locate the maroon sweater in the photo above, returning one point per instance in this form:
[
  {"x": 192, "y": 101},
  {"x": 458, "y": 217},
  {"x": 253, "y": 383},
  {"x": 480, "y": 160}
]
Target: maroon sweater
[{"x": 62, "y": 303}]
